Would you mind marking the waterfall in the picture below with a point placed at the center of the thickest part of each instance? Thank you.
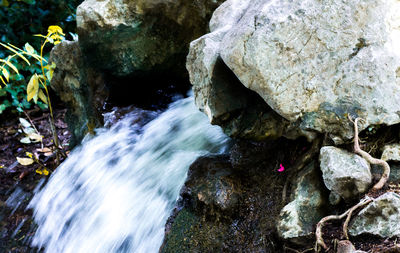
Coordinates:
(115, 192)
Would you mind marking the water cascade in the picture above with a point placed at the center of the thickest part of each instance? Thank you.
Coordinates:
(115, 192)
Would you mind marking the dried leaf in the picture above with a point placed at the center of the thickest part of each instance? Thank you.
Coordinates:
(43, 150)
(25, 161)
(35, 137)
(29, 130)
(24, 123)
(25, 140)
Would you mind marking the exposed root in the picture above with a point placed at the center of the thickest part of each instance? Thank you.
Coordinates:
(370, 159)
(300, 164)
(348, 213)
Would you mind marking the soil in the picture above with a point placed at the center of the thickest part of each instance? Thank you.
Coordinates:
(17, 182)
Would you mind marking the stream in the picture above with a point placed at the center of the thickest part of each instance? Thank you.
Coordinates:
(115, 192)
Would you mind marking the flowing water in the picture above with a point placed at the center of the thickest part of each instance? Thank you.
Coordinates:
(115, 192)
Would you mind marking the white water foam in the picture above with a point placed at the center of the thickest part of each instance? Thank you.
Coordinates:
(116, 191)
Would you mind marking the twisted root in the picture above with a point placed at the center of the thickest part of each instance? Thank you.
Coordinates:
(348, 213)
(369, 158)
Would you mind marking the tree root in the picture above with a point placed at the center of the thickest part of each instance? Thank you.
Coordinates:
(369, 158)
(300, 164)
(348, 213)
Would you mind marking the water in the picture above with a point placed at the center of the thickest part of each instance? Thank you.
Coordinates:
(116, 191)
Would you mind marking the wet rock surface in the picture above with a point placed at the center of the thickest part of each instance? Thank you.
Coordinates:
(232, 203)
(381, 217)
(345, 174)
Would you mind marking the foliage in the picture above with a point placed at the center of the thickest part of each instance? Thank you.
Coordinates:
(37, 86)
(19, 19)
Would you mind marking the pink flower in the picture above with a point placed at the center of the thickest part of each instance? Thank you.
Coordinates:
(281, 168)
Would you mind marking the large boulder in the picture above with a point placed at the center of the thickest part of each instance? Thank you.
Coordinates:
(136, 36)
(220, 95)
(345, 174)
(80, 87)
(313, 62)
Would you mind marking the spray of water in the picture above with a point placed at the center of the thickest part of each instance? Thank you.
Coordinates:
(115, 192)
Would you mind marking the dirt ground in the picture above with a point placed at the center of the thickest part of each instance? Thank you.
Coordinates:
(17, 182)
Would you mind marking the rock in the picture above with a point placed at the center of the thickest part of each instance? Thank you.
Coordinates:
(381, 217)
(346, 246)
(297, 219)
(231, 203)
(81, 88)
(313, 62)
(211, 183)
(391, 152)
(138, 36)
(345, 174)
(218, 92)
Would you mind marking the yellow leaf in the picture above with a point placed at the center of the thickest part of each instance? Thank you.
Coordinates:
(5, 74)
(2, 80)
(51, 67)
(4, 3)
(55, 29)
(25, 161)
(57, 42)
(42, 171)
(14, 51)
(33, 87)
(29, 154)
(39, 35)
(56, 37)
(42, 97)
(10, 65)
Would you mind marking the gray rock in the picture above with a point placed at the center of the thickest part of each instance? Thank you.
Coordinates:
(345, 174)
(391, 152)
(381, 217)
(218, 92)
(125, 37)
(316, 61)
(297, 218)
(80, 87)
